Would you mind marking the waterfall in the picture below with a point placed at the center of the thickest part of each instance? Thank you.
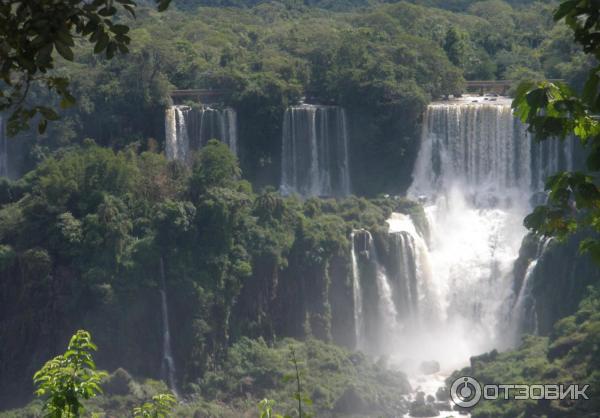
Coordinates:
(168, 362)
(485, 148)
(315, 151)
(549, 157)
(387, 308)
(523, 315)
(357, 296)
(476, 170)
(188, 129)
(3, 149)
(407, 273)
(177, 140)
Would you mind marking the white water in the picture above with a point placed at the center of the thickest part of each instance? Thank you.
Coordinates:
(188, 129)
(476, 171)
(177, 143)
(387, 309)
(168, 362)
(523, 314)
(315, 151)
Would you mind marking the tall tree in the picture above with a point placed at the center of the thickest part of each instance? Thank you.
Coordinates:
(454, 45)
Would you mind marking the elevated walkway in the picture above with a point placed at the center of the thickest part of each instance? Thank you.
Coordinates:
(500, 87)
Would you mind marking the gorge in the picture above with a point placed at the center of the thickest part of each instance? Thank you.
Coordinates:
(262, 207)
(440, 284)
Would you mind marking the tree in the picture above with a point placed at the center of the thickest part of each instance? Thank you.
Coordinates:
(555, 110)
(215, 166)
(69, 378)
(30, 30)
(454, 45)
(160, 407)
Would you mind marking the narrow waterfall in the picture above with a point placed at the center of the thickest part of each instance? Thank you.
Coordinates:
(168, 363)
(177, 140)
(407, 273)
(188, 129)
(3, 149)
(523, 315)
(387, 308)
(357, 295)
(315, 151)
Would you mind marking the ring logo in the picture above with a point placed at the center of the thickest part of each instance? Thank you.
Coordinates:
(466, 392)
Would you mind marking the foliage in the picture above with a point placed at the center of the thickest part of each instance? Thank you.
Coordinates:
(91, 224)
(69, 378)
(265, 408)
(383, 62)
(160, 407)
(556, 110)
(568, 356)
(299, 396)
(215, 166)
(31, 31)
(328, 372)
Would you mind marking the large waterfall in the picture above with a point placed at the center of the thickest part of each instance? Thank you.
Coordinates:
(315, 151)
(452, 291)
(3, 149)
(190, 128)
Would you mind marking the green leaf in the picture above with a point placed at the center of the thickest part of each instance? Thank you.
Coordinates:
(120, 29)
(44, 55)
(537, 98)
(103, 41)
(65, 51)
(48, 113)
(565, 8)
(110, 50)
(107, 11)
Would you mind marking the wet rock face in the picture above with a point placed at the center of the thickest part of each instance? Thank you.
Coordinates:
(442, 394)
(429, 367)
(423, 407)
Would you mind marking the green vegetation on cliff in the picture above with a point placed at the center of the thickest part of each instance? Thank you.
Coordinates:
(337, 382)
(82, 240)
(383, 63)
(568, 356)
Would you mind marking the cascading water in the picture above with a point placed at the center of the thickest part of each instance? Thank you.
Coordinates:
(315, 151)
(189, 129)
(357, 295)
(387, 308)
(523, 314)
(3, 149)
(476, 171)
(168, 363)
